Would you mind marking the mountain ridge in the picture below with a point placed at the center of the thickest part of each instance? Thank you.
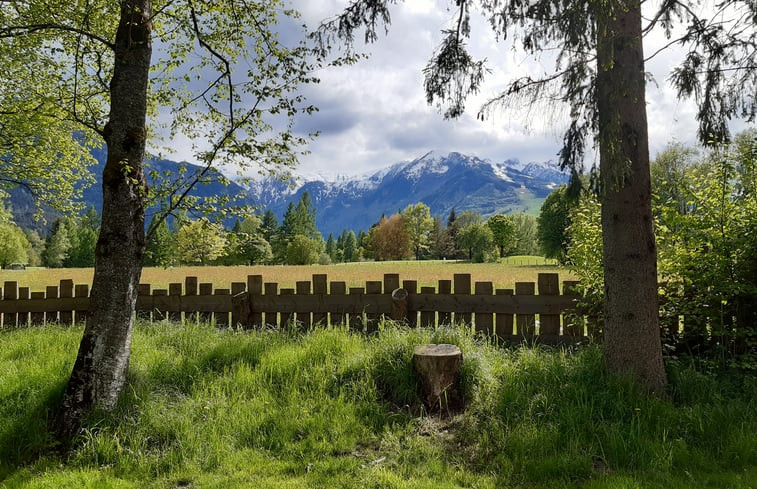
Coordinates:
(441, 181)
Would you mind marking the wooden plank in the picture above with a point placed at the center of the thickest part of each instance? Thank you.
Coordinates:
(338, 294)
(549, 285)
(526, 322)
(174, 290)
(572, 325)
(320, 287)
(372, 289)
(255, 289)
(66, 316)
(81, 290)
(143, 311)
(38, 317)
(287, 317)
(304, 321)
(222, 317)
(190, 291)
(22, 320)
(271, 294)
(391, 282)
(208, 304)
(412, 288)
(159, 310)
(10, 290)
(238, 317)
(428, 318)
(504, 320)
(356, 320)
(522, 304)
(484, 321)
(52, 305)
(205, 290)
(51, 315)
(445, 293)
(462, 287)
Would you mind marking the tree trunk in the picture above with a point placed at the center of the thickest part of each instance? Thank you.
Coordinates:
(632, 334)
(99, 372)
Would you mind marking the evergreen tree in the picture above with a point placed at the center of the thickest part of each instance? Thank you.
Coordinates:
(161, 248)
(348, 245)
(331, 247)
(57, 245)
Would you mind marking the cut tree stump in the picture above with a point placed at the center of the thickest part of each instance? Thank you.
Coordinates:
(438, 369)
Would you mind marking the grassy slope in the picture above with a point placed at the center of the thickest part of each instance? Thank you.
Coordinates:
(332, 409)
(513, 269)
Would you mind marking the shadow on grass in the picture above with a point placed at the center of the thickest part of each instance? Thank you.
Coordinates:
(27, 437)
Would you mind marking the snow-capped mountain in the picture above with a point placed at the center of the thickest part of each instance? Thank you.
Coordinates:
(441, 181)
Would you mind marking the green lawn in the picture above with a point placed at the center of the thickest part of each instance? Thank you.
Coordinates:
(219, 409)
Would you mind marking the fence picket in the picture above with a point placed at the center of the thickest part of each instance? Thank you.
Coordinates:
(484, 321)
(526, 323)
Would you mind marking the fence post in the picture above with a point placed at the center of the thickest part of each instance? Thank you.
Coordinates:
(51, 292)
(412, 289)
(255, 290)
(286, 317)
(428, 318)
(445, 288)
(205, 290)
(240, 317)
(337, 289)
(356, 318)
(503, 327)
(11, 294)
(484, 322)
(143, 312)
(80, 291)
(190, 290)
(222, 318)
(303, 316)
(38, 318)
(526, 323)
(23, 317)
(462, 287)
(271, 316)
(320, 288)
(549, 285)
(66, 292)
(174, 291)
(371, 319)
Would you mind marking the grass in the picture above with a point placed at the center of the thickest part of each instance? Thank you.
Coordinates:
(505, 274)
(220, 409)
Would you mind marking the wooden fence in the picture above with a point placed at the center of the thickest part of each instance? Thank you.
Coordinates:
(534, 311)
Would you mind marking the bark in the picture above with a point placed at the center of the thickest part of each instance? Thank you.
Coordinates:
(99, 372)
(632, 334)
(438, 369)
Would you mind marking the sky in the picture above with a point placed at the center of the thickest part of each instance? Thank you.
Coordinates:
(374, 113)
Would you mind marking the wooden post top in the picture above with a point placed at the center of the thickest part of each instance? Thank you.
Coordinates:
(440, 350)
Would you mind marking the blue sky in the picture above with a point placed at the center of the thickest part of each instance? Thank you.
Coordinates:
(374, 113)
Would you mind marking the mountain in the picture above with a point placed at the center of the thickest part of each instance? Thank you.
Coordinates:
(441, 181)
(22, 203)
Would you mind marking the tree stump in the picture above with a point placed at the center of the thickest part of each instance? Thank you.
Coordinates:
(438, 369)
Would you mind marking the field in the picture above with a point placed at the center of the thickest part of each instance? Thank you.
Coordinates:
(331, 409)
(505, 274)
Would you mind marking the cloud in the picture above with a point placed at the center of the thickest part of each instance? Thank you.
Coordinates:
(374, 113)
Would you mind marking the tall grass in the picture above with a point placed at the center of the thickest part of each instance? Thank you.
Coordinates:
(329, 408)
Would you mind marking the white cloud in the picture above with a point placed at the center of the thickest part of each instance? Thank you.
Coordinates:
(374, 113)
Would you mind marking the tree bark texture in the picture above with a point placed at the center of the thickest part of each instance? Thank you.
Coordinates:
(99, 372)
(632, 334)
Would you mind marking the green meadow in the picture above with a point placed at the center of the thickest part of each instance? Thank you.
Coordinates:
(328, 408)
